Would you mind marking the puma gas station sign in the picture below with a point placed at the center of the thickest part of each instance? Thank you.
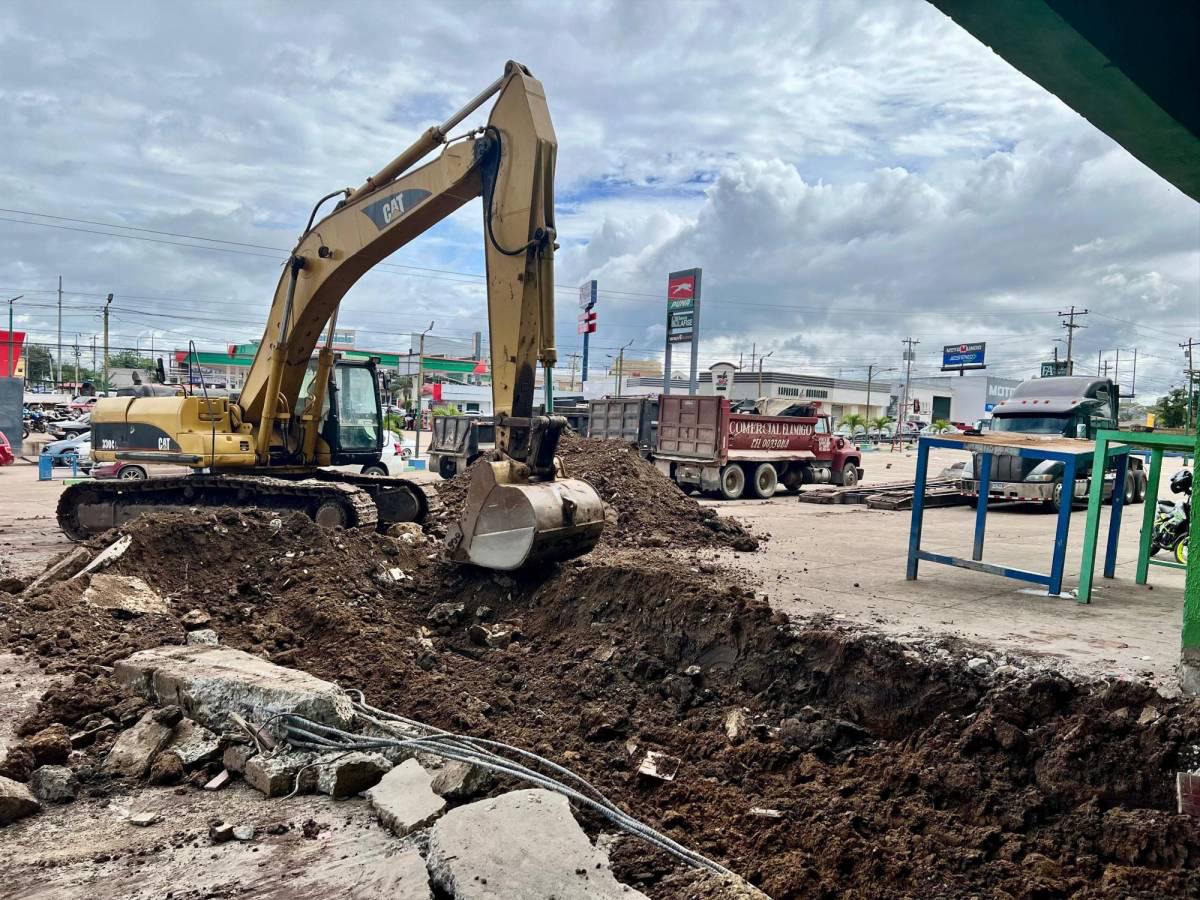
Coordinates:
(683, 321)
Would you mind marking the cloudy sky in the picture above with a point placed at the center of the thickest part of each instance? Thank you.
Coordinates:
(847, 173)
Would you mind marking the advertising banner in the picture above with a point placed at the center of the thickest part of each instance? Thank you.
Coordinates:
(10, 353)
(683, 322)
(957, 357)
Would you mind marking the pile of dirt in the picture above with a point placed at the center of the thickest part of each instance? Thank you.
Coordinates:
(815, 760)
(651, 510)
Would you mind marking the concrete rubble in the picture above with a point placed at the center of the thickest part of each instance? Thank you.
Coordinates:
(405, 800)
(519, 845)
(16, 800)
(202, 637)
(348, 774)
(135, 748)
(461, 781)
(54, 784)
(124, 596)
(275, 776)
(192, 743)
(211, 683)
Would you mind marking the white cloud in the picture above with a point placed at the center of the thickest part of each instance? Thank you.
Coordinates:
(845, 172)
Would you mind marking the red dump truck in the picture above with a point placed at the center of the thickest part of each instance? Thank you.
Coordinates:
(702, 444)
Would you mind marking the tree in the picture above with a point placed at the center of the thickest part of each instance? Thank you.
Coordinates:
(941, 426)
(1171, 409)
(129, 359)
(881, 422)
(402, 385)
(854, 422)
(39, 363)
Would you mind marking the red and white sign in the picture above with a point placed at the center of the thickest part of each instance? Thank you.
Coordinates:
(587, 322)
(10, 344)
(682, 287)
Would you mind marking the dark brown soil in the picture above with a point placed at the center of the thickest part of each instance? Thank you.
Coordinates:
(884, 774)
(651, 510)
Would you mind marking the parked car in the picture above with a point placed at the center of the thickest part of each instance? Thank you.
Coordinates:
(71, 427)
(122, 470)
(6, 453)
(82, 404)
(62, 451)
(391, 458)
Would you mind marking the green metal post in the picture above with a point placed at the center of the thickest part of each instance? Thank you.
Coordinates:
(1143, 563)
(1090, 530)
(1189, 661)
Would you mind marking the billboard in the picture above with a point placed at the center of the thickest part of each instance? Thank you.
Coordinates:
(587, 318)
(957, 357)
(1056, 367)
(681, 307)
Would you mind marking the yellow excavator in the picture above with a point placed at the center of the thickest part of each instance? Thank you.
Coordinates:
(296, 413)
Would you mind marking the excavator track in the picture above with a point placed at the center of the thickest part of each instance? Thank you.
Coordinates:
(425, 496)
(95, 506)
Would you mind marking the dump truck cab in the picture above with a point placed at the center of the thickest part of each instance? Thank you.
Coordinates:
(1071, 406)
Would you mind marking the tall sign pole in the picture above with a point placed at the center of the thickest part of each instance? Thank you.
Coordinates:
(683, 323)
(587, 320)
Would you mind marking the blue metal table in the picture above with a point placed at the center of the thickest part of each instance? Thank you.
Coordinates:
(1070, 452)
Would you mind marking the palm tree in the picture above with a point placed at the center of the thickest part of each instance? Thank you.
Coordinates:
(881, 422)
(941, 426)
(854, 422)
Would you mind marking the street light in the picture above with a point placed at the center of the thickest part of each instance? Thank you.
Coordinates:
(871, 370)
(760, 367)
(12, 340)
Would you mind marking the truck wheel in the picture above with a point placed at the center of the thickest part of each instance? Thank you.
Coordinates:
(1139, 487)
(849, 475)
(1130, 488)
(765, 480)
(733, 481)
(374, 469)
(1056, 503)
(447, 467)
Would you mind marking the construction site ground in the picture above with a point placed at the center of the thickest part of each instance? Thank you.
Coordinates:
(849, 561)
(855, 735)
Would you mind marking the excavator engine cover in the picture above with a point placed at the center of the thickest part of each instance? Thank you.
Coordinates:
(509, 521)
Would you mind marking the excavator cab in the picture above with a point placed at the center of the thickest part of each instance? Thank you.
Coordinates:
(351, 419)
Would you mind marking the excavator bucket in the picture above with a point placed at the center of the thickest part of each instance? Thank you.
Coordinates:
(509, 522)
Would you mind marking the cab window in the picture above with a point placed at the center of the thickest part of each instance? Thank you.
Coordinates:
(822, 426)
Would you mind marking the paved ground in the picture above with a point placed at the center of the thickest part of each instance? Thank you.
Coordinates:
(850, 561)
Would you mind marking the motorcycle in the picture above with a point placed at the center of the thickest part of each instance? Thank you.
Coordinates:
(33, 420)
(1171, 520)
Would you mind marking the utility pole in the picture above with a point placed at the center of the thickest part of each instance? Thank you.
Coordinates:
(753, 348)
(1070, 325)
(1187, 350)
(12, 340)
(574, 358)
(60, 329)
(421, 384)
(909, 343)
(93, 353)
(621, 367)
(76, 346)
(106, 305)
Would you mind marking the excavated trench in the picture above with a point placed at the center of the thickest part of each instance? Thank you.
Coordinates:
(815, 759)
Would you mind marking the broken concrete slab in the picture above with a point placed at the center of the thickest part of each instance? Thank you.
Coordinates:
(218, 781)
(125, 596)
(404, 799)
(275, 776)
(203, 637)
(135, 749)
(16, 801)
(193, 743)
(348, 774)
(519, 845)
(461, 781)
(54, 784)
(236, 756)
(107, 556)
(64, 568)
(214, 683)
(143, 819)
